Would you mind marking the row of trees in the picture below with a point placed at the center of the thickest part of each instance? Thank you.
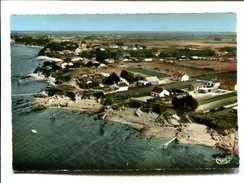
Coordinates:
(101, 55)
(186, 52)
(231, 50)
(114, 78)
(31, 40)
(59, 46)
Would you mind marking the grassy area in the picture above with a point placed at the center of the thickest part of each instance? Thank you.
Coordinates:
(221, 76)
(143, 91)
(178, 85)
(219, 97)
(147, 72)
(132, 92)
(190, 67)
(190, 70)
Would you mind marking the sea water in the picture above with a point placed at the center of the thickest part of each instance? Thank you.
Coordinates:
(76, 140)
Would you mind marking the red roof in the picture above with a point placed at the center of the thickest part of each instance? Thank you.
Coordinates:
(157, 90)
(229, 82)
(179, 74)
(216, 81)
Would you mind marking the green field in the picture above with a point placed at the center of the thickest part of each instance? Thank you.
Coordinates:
(221, 76)
(177, 85)
(147, 72)
(143, 91)
(132, 92)
(219, 97)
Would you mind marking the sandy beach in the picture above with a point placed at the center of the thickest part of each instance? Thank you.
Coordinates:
(149, 123)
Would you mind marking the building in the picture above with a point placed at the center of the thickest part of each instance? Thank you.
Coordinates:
(122, 80)
(210, 86)
(120, 87)
(148, 59)
(214, 84)
(195, 86)
(153, 80)
(229, 85)
(180, 77)
(159, 92)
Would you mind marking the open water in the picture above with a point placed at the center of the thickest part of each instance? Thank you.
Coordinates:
(80, 141)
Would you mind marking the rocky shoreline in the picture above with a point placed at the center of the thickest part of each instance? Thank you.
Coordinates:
(149, 123)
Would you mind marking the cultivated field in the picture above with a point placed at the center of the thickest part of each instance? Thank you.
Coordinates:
(216, 65)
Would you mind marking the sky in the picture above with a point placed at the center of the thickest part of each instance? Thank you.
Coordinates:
(191, 22)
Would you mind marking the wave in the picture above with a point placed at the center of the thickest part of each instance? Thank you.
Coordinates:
(48, 58)
(27, 45)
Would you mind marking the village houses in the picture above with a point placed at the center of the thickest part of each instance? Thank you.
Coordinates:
(121, 86)
(180, 77)
(152, 80)
(159, 92)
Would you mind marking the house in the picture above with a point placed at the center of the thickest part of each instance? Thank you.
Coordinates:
(77, 51)
(122, 80)
(147, 59)
(119, 87)
(214, 84)
(152, 80)
(229, 85)
(114, 46)
(159, 92)
(102, 66)
(210, 86)
(195, 86)
(63, 64)
(76, 59)
(180, 77)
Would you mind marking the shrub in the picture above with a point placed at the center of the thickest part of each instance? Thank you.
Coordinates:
(108, 101)
(71, 95)
(186, 103)
(113, 78)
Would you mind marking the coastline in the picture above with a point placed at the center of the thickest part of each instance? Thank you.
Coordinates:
(148, 123)
(27, 45)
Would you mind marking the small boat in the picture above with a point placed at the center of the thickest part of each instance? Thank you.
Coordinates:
(34, 131)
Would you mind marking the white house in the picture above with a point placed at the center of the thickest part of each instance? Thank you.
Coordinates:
(159, 92)
(153, 80)
(63, 65)
(213, 84)
(102, 66)
(147, 59)
(77, 51)
(180, 77)
(120, 87)
(75, 59)
(122, 80)
(210, 86)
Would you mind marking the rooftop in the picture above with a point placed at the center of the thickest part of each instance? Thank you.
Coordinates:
(179, 74)
(229, 82)
(157, 90)
(151, 79)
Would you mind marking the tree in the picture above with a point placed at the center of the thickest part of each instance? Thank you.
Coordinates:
(102, 55)
(187, 103)
(190, 103)
(127, 75)
(108, 101)
(113, 78)
(120, 44)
